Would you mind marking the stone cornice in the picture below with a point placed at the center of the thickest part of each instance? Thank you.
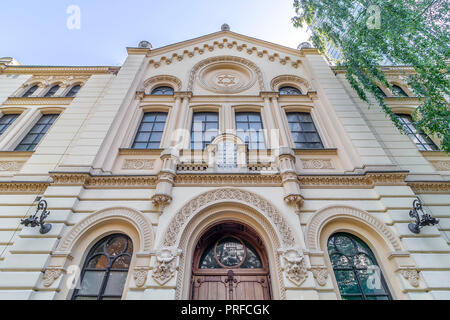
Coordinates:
(38, 101)
(23, 187)
(140, 152)
(328, 151)
(139, 51)
(228, 179)
(108, 182)
(427, 187)
(41, 70)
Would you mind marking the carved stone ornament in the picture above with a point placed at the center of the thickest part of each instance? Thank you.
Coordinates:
(138, 164)
(140, 276)
(10, 165)
(166, 265)
(317, 164)
(441, 165)
(294, 200)
(161, 200)
(294, 266)
(321, 275)
(50, 276)
(412, 275)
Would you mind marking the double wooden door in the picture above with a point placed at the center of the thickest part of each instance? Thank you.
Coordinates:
(230, 263)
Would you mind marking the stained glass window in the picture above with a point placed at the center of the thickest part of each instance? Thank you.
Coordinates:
(163, 91)
(304, 131)
(356, 270)
(6, 121)
(52, 91)
(36, 133)
(289, 91)
(150, 131)
(230, 252)
(30, 91)
(205, 127)
(73, 91)
(249, 128)
(105, 270)
(422, 141)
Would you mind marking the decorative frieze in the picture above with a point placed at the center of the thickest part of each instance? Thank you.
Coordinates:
(317, 164)
(23, 187)
(139, 164)
(225, 179)
(38, 101)
(430, 187)
(441, 165)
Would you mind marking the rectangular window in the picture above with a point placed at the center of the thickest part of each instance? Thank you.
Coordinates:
(304, 131)
(205, 127)
(150, 131)
(249, 128)
(6, 121)
(37, 132)
(423, 142)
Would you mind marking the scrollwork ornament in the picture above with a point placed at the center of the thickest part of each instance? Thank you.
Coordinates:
(140, 276)
(321, 275)
(412, 275)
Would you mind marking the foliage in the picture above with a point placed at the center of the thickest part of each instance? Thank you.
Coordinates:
(414, 33)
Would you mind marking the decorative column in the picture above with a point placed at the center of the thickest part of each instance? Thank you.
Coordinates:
(286, 165)
(182, 133)
(279, 120)
(163, 195)
(173, 120)
(271, 124)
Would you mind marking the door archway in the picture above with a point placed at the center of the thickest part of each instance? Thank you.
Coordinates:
(230, 263)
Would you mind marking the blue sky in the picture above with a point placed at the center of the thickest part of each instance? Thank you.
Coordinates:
(36, 33)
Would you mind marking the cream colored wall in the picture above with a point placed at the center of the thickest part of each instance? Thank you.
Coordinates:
(104, 116)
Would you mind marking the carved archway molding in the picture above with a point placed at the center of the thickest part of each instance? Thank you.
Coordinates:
(230, 59)
(152, 82)
(134, 217)
(181, 218)
(326, 215)
(301, 83)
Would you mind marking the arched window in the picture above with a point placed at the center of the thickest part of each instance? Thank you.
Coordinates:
(398, 91)
(356, 270)
(105, 269)
(289, 91)
(163, 91)
(73, 91)
(30, 91)
(423, 142)
(36, 133)
(52, 91)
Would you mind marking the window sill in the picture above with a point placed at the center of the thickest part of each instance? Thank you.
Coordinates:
(15, 154)
(327, 151)
(436, 153)
(131, 152)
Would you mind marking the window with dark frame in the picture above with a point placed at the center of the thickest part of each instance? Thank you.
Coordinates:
(356, 270)
(398, 91)
(289, 91)
(36, 133)
(249, 128)
(150, 131)
(423, 142)
(30, 91)
(52, 91)
(6, 121)
(105, 269)
(205, 127)
(73, 91)
(303, 130)
(163, 91)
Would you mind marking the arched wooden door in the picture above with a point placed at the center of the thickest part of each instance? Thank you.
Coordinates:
(230, 263)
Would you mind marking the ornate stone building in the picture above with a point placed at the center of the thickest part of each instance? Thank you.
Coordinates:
(223, 167)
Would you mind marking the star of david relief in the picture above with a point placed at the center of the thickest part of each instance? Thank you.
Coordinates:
(226, 80)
